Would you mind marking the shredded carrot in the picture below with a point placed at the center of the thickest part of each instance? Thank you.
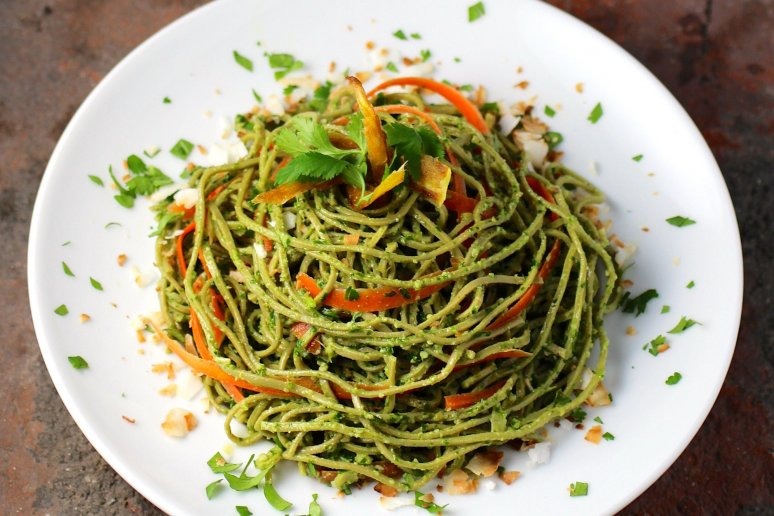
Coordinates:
(411, 110)
(181, 264)
(367, 299)
(388, 183)
(460, 101)
(532, 290)
(512, 353)
(460, 401)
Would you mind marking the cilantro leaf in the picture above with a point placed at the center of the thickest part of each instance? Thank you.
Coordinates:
(431, 507)
(412, 143)
(61, 310)
(392, 67)
(665, 309)
(638, 157)
(167, 100)
(78, 362)
(578, 415)
(219, 465)
(637, 305)
(136, 164)
(607, 436)
(553, 139)
(683, 324)
(314, 507)
(96, 284)
(257, 97)
(212, 488)
(320, 97)
(691, 284)
(182, 149)
(579, 489)
(284, 64)
(311, 166)
(680, 221)
(243, 61)
(400, 34)
(148, 182)
(242, 510)
(96, 180)
(654, 345)
(274, 498)
(674, 378)
(416, 35)
(549, 111)
(67, 269)
(595, 114)
(476, 11)
(425, 54)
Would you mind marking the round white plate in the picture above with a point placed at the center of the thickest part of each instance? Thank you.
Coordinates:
(191, 62)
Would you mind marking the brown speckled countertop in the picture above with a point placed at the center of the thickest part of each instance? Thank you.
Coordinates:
(715, 57)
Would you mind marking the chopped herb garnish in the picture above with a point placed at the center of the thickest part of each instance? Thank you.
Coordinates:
(257, 97)
(638, 157)
(607, 436)
(125, 197)
(391, 67)
(665, 309)
(595, 114)
(411, 144)
(549, 111)
(466, 87)
(320, 97)
(290, 88)
(425, 54)
(96, 180)
(314, 507)
(219, 465)
(690, 284)
(680, 221)
(654, 345)
(553, 139)
(637, 305)
(457, 60)
(351, 294)
(212, 488)
(674, 378)
(431, 507)
(579, 489)
(405, 293)
(400, 34)
(316, 158)
(683, 324)
(274, 498)
(167, 100)
(416, 35)
(284, 64)
(578, 415)
(476, 11)
(78, 362)
(96, 284)
(151, 152)
(243, 61)
(67, 269)
(61, 310)
(182, 149)
(599, 420)
(66, 243)
(242, 510)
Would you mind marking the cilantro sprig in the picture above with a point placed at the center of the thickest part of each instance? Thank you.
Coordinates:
(315, 158)
(283, 64)
(636, 305)
(411, 144)
(145, 180)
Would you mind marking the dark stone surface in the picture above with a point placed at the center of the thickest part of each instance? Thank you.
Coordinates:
(715, 56)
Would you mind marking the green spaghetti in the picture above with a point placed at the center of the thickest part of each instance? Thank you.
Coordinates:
(385, 290)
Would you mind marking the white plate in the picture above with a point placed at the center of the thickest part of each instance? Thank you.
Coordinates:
(191, 62)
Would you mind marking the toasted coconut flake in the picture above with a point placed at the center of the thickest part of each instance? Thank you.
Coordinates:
(522, 85)
(391, 503)
(509, 477)
(458, 482)
(533, 145)
(579, 87)
(85, 318)
(140, 336)
(485, 464)
(434, 179)
(540, 453)
(385, 490)
(533, 125)
(178, 422)
(594, 435)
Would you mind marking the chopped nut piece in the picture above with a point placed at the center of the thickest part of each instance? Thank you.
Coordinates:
(121, 260)
(523, 85)
(594, 435)
(579, 87)
(600, 397)
(169, 390)
(85, 318)
(458, 482)
(128, 419)
(385, 490)
(631, 330)
(509, 477)
(165, 367)
(178, 422)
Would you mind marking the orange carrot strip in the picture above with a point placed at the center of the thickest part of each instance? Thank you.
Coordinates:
(460, 101)
(411, 110)
(210, 368)
(282, 164)
(531, 291)
(181, 263)
(367, 299)
(541, 190)
(388, 183)
(376, 141)
(460, 401)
